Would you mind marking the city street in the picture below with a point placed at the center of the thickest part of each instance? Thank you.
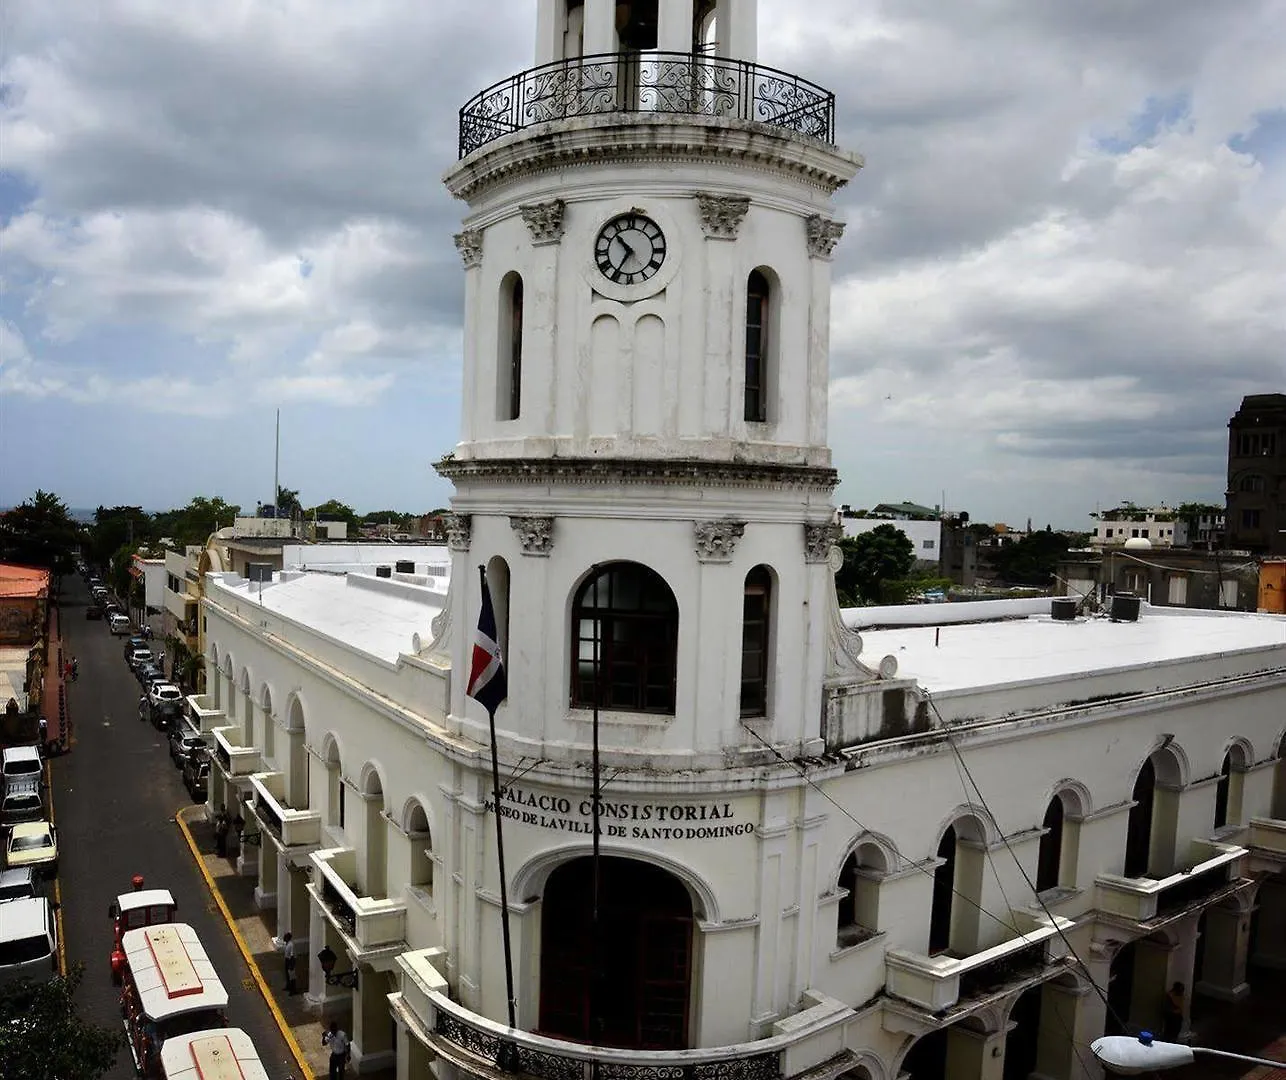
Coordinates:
(114, 799)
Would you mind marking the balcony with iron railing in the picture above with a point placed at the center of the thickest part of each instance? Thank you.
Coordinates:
(233, 757)
(941, 983)
(373, 927)
(673, 83)
(288, 826)
(474, 1044)
(205, 717)
(1140, 902)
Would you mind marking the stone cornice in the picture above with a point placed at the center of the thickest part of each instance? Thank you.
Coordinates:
(635, 471)
(655, 139)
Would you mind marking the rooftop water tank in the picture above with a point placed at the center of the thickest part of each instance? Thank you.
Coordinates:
(1125, 607)
(1063, 608)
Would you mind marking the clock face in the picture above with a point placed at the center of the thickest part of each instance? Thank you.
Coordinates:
(629, 249)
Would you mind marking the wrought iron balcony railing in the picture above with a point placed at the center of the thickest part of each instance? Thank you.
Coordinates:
(647, 82)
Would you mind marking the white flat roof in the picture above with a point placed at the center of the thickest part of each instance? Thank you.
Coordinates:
(213, 1054)
(1038, 648)
(377, 616)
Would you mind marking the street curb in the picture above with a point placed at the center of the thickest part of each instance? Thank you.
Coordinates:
(58, 891)
(305, 1070)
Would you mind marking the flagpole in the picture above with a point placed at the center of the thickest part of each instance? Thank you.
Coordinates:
(508, 1052)
(595, 810)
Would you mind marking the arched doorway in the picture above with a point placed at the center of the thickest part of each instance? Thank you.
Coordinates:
(644, 956)
(1138, 830)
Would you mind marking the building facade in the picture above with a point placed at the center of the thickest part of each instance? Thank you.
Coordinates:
(1256, 517)
(947, 851)
(1170, 577)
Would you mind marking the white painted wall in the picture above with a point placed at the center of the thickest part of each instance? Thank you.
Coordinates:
(925, 536)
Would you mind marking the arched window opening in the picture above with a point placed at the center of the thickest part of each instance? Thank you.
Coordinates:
(334, 787)
(944, 883)
(627, 617)
(1251, 483)
(1049, 860)
(1221, 793)
(417, 828)
(1138, 835)
(1279, 782)
(756, 607)
(269, 727)
(705, 27)
(758, 341)
(509, 357)
(498, 583)
(858, 916)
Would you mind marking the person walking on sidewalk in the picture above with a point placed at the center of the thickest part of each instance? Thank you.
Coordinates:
(221, 832)
(286, 946)
(337, 1040)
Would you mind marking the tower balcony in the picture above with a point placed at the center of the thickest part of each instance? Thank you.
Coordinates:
(677, 83)
(473, 1043)
(945, 986)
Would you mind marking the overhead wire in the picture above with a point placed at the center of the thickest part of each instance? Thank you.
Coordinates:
(803, 773)
(963, 765)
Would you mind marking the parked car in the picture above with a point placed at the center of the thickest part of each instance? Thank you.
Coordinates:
(140, 654)
(18, 883)
(186, 743)
(21, 802)
(28, 939)
(147, 675)
(196, 777)
(118, 623)
(165, 702)
(20, 763)
(135, 641)
(33, 844)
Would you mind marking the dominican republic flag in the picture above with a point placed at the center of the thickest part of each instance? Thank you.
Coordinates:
(487, 683)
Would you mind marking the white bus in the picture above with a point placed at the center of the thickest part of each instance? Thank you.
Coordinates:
(169, 988)
(214, 1054)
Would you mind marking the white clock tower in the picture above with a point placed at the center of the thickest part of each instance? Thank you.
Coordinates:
(643, 466)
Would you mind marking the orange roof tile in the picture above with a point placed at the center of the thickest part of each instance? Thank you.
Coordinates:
(20, 581)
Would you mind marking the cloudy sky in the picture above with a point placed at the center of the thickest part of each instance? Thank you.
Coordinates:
(1065, 261)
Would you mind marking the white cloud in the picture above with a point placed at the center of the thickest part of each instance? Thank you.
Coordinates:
(1067, 249)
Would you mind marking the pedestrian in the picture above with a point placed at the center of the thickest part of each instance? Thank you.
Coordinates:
(1172, 1019)
(286, 946)
(160, 661)
(221, 832)
(67, 670)
(75, 669)
(44, 732)
(337, 1040)
(239, 826)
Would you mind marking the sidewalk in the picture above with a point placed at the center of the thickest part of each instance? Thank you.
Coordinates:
(237, 893)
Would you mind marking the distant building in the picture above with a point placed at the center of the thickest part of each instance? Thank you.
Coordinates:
(1165, 577)
(905, 511)
(1114, 527)
(150, 573)
(1256, 496)
(943, 544)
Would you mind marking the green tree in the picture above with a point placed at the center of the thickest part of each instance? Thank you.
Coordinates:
(40, 532)
(43, 1038)
(334, 510)
(116, 527)
(193, 524)
(1032, 560)
(872, 559)
(188, 666)
(288, 502)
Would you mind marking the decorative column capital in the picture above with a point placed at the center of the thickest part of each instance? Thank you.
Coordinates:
(544, 221)
(717, 540)
(459, 531)
(721, 215)
(469, 245)
(818, 541)
(535, 534)
(823, 235)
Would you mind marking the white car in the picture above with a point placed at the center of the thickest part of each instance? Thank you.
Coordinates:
(165, 693)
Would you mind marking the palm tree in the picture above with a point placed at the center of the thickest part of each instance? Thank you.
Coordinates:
(187, 667)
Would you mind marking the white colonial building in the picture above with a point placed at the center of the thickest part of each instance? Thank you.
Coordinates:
(956, 851)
